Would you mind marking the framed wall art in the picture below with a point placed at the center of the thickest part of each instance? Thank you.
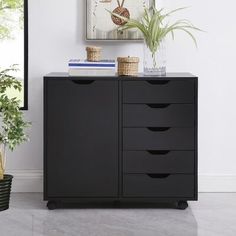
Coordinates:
(102, 26)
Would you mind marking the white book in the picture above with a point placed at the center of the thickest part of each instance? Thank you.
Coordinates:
(100, 72)
(83, 64)
(104, 62)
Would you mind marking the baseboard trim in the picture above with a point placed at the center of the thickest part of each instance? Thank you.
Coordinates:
(32, 181)
(217, 183)
(24, 181)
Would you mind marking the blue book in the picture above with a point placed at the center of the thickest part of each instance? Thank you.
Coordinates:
(75, 63)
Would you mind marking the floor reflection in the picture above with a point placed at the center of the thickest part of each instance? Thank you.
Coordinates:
(213, 215)
(124, 219)
(28, 216)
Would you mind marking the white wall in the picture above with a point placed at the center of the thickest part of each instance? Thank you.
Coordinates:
(56, 34)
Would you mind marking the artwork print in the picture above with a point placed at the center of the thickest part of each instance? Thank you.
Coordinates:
(101, 25)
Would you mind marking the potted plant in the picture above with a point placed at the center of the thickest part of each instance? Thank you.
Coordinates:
(12, 130)
(155, 27)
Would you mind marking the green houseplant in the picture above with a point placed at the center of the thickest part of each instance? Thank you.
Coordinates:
(12, 130)
(155, 27)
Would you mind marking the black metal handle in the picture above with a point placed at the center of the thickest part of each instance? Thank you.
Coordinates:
(158, 82)
(83, 82)
(158, 129)
(159, 105)
(158, 176)
(158, 152)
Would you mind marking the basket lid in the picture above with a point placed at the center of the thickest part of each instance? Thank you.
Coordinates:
(128, 59)
(93, 49)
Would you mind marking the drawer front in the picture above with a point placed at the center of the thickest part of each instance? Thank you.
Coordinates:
(158, 138)
(154, 161)
(162, 185)
(158, 91)
(159, 115)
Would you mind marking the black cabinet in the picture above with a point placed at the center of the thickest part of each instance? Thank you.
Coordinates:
(120, 138)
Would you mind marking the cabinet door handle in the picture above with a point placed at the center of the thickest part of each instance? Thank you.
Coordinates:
(158, 82)
(158, 176)
(158, 152)
(83, 82)
(158, 129)
(159, 105)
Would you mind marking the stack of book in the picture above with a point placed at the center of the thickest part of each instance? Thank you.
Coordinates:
(87, 68)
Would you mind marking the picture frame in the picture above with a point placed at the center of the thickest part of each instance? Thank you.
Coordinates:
(101, 26)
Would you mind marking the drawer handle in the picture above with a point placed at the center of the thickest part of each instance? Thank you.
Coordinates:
(159, 105)
(158, 176)
(158, 152)
(158, 82)
(158, 129)
(83, 82)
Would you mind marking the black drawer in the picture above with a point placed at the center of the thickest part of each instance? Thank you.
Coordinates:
(155, 161)
(170, 115)
(158, 91)
(158, 138)
(158, 185)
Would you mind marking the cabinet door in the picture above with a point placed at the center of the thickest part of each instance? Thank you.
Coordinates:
(81, 124)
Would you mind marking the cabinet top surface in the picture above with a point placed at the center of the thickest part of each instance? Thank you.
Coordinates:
(63, 75)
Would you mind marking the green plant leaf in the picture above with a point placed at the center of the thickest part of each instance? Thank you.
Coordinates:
(12, 130)
(154, 29)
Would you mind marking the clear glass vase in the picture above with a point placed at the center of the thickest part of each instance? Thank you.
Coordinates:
(155, 63)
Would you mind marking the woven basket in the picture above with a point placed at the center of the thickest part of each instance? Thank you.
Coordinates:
(93, 53)
(128, 66)
(5, 191)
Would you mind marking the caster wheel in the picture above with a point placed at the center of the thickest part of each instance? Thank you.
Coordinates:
(181, 205)
(51, 205)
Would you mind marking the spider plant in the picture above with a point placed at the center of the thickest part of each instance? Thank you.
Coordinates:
(155, 27)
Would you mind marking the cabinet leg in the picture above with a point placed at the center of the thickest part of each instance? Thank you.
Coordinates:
(181, 205)
(52, 205)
